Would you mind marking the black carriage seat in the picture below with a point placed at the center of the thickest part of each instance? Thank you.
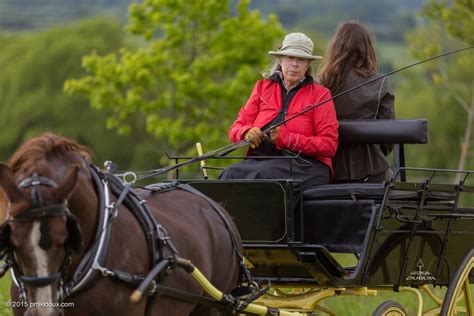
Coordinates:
(374, 191)
(396, 132)
(339, 216)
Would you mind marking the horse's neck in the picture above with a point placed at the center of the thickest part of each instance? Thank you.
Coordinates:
(84, 205)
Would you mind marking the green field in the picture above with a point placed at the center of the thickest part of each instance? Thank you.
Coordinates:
(5, 294)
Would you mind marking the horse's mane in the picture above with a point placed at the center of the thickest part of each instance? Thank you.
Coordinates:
(37, 151)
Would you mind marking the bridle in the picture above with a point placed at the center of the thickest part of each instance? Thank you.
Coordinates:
(41, 212)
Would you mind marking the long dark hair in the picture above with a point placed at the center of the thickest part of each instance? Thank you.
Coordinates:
(351, 48)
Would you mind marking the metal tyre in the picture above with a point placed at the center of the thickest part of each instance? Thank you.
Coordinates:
(390, 308)
(459, 297)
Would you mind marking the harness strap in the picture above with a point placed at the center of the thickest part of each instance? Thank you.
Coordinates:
(138, 208)
(85, 276)
(36, 180)
(155, 290)
(190, 297)
(40, 212)
(39, 281)
(123, 194)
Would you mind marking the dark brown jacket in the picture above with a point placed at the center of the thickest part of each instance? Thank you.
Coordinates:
(372, 101)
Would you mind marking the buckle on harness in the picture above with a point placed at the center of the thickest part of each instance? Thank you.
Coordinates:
(162, 233)
(104, 271)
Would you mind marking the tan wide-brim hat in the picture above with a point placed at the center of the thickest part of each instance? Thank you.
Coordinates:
(296, 45)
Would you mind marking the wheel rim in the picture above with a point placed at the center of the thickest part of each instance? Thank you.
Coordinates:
(463, 293)
(394, 311)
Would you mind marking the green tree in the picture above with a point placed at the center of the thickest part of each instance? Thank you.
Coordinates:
(34, 68)
(194, 71)
(448, 100)
(457, 17)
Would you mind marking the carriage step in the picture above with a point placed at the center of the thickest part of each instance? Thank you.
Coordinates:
(322, 259)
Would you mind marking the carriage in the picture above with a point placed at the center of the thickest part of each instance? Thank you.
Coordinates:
(410, 234)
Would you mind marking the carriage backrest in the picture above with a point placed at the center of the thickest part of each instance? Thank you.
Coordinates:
(396, 132)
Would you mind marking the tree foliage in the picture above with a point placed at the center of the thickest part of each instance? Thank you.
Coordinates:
(34, 68)
(457, 17)
(190, 77)
(442, 90)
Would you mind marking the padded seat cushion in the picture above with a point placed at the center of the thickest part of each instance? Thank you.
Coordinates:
(345, 190)
(338, 225)
(383, 131)
(371, 191)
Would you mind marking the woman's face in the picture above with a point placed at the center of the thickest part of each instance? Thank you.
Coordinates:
(293, 69)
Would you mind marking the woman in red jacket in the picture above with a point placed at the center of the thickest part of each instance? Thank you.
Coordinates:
(288, 90)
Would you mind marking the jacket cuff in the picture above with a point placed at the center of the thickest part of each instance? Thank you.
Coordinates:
(244, 130)
(287, 140)
(284, 138)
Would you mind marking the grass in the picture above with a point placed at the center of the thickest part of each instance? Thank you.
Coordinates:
(366, 305)
(5, 294)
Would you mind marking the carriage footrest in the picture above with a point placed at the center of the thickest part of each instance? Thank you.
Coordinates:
(325, 258)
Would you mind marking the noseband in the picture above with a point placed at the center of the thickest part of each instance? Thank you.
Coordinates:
(42, 212)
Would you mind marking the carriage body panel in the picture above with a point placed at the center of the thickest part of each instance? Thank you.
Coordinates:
(404, 234)
(408, 235)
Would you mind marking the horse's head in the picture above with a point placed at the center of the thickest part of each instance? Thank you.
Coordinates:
(39, 235)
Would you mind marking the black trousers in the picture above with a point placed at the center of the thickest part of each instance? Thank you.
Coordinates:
(310, 171)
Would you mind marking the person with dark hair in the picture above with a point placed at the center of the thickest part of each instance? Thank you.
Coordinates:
(349, 61)
(288, 90)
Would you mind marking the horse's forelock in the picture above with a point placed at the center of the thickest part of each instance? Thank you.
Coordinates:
(35, 153)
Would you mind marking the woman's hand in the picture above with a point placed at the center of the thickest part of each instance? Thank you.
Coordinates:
(274, 134)
(254, 135)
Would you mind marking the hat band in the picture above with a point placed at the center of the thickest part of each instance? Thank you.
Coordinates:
(303, 48)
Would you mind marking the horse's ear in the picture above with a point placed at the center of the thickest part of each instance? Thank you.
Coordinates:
(66, 187)
(8, 184)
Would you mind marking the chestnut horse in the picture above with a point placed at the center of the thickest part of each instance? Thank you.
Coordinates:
(55, 228)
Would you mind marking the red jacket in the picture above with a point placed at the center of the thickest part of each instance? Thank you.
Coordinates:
(313, 133)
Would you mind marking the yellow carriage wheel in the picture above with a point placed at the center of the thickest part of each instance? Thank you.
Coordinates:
(459, 297)
(390, 308)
